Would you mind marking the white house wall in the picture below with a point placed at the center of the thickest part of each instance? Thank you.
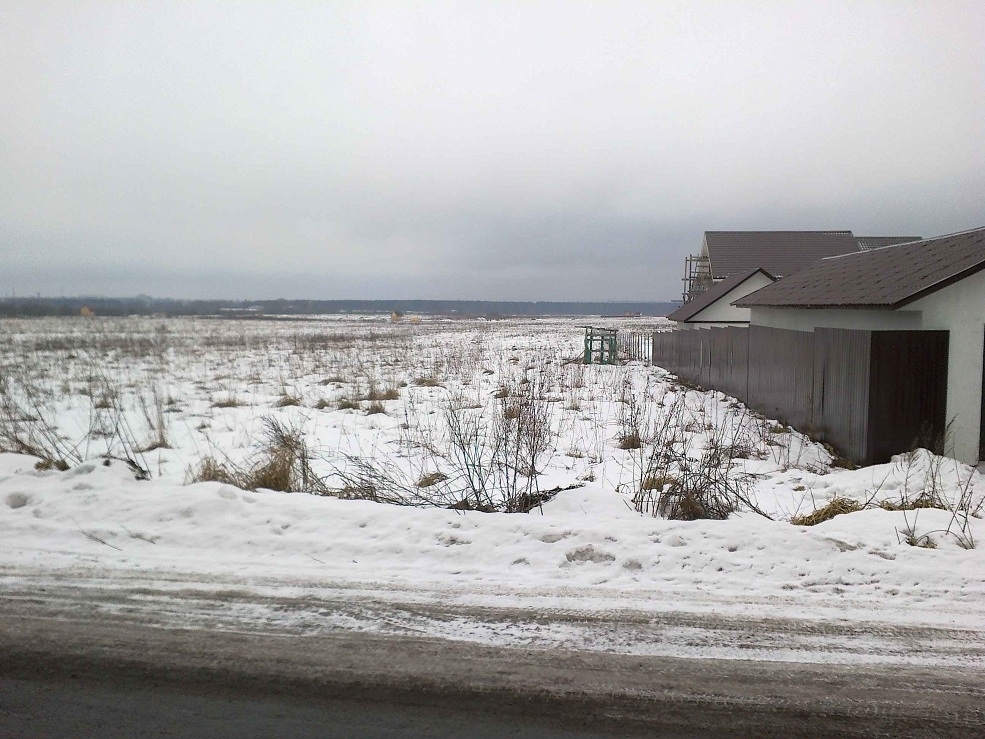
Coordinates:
(960, 309)
(731, 324)
(725, 314)
(807, 319)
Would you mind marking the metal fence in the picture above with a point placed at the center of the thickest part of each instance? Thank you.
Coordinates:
(870, 394)
(635, 345)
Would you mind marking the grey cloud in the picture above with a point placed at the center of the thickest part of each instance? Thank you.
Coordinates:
(469, 150)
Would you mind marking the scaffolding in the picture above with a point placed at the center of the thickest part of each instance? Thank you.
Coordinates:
(697, 276)
(600, 345)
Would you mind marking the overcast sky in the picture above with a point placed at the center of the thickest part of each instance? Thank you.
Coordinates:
(474, 150)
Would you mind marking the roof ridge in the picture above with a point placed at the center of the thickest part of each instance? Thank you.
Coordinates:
(909, 243)
(783, 231)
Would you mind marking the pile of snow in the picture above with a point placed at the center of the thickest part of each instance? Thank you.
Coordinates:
(587, 544)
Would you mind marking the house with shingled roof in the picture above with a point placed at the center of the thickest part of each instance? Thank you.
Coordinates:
(935, 285)
(780, 253)
(713, 308)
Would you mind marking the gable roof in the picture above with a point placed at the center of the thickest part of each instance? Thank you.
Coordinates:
(693, 307)
(779, 252)
(877, 242)
(890, 277)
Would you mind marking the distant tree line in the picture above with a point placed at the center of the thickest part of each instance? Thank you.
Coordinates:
(142, 305)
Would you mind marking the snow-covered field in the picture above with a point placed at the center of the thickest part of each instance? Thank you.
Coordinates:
(438, 413)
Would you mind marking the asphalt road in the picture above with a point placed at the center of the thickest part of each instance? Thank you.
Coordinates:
(124, 671)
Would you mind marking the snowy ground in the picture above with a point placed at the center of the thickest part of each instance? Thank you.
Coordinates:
(584, 570)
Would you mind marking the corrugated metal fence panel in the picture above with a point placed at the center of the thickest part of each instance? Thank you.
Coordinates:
(781, 374)
(705, 358)
(841, 394)
(907, 392)
(802, 365)
(760, 395)
(658, 358)
(689, 355)
(718, 372)
(738, 369)
(694, 364)
(870, 394)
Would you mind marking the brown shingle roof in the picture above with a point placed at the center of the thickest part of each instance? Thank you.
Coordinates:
(779, 252)
(693, 307)
(890, 277)
(877, 242)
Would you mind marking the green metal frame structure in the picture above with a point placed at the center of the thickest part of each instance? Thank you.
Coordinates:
(600, 345)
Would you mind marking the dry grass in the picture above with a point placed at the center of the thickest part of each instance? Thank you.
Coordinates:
(658, 482)
(391, 393)
(230, 402)
(920, 502)
(43, 465)
(283, 464)
(211, 470)
(836, 507)
(431, 479)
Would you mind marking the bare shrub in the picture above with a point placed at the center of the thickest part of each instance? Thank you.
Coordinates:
(909, 535)
(683, 461)
(658, 482)
(494, 456)
(963, 503)
(524, 431)
(473, 450)
(156, 423)
(26, 426)
(382, 481)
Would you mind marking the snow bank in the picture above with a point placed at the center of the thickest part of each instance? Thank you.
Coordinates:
(586, 546)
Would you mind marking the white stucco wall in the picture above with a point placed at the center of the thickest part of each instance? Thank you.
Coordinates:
(807, 319)
(959, 309)
(712, 324)
(722, 312)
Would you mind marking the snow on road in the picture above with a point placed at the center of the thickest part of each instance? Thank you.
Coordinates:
(573, 572)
